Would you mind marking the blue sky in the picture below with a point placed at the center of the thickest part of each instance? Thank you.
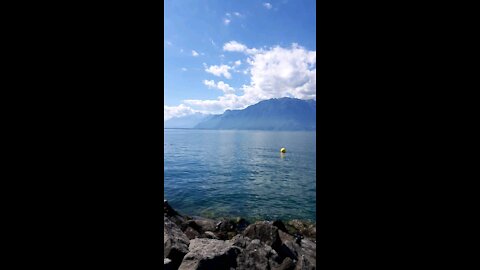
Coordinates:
(230, 54)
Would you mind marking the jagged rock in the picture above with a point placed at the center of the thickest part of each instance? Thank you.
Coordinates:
(225, 229)
(191, 233)
(265, 232)
(291, 249)
(205, 224)
(175, 243)
(306, 253)
(257, 255)
(240, 241)
(305, 228)
(210, 254)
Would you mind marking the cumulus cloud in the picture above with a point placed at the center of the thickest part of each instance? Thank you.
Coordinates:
(234, 46)
(225, 87)
(280, 72)
(176, 111)
(194, 53)
(267, 5)
(274, 72)
(219, 71)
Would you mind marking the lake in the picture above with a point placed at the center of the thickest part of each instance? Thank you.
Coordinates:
(230, 173)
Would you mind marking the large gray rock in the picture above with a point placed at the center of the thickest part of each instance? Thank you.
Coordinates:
(306, 254)
(205, 224)
(302, 252)
(240, 241)
(175, 243)
(265, 232)
(257, 255)
(210, 254)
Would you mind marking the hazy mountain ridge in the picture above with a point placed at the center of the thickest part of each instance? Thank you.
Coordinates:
(272, 114)
(188, 121)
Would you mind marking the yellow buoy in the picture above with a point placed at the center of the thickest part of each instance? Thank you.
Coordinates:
(283, 150)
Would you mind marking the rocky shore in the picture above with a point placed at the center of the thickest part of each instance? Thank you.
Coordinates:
(202, 243)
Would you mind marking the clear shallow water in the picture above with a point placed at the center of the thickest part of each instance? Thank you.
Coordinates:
(226, 173)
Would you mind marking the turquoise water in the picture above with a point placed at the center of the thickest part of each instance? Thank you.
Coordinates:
(226, 173)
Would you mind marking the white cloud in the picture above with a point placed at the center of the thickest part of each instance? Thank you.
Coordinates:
(194, 53)
(228, 14)
(219, 70)
(176, 111)
(267, 5)
(280, 72)
(227, 101)
(237, 14)
(184, 69)
(226, 21)
(209, 83)
(274, 72)
(225, 87)
(234, 46)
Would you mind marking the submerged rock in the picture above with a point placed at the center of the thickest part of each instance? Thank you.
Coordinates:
(210, 254)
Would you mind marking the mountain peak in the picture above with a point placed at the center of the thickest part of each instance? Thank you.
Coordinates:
(273, 114)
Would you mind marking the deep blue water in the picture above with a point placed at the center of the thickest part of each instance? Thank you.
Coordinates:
(226, 173)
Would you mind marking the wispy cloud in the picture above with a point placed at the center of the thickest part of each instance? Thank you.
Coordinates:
(226, 21)
(194, 53)
(267, 5)
(184, 69)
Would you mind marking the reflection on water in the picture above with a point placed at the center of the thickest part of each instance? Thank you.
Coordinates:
(239, 173)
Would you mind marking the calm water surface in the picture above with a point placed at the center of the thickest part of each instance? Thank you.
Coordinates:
(241, 173)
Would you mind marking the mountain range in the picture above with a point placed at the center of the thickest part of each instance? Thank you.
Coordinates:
(273, 114)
